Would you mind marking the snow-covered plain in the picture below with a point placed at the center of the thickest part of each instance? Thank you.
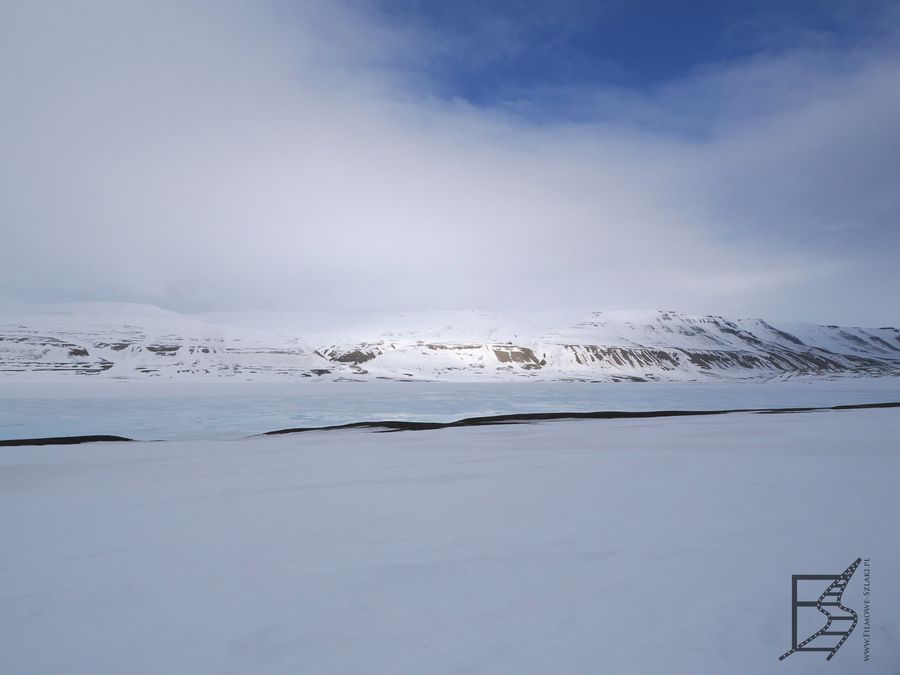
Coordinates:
(616, 546)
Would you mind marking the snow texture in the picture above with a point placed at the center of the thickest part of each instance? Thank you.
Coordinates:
(617, 546)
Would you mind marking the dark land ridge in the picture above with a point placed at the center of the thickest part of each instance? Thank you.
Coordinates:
(514, 418)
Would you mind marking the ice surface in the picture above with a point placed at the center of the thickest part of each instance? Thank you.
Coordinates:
(159, 409)
(616, 546)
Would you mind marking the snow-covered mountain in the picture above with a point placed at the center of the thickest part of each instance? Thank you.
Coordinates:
(134, 341)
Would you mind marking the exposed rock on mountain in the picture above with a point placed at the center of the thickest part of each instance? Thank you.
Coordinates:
(128, 341)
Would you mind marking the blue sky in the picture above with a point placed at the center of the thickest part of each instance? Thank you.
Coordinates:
(491, 53)
(389, 155)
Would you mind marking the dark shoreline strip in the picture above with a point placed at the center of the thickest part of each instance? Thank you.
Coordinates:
(62, 440)
(515, 418)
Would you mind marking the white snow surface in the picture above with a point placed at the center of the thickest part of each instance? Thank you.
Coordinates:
(121, 341)
(608, 546)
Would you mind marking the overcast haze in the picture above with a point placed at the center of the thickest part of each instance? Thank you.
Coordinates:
(380, 156)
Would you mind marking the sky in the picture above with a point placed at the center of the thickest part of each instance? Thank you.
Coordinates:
(398, 155)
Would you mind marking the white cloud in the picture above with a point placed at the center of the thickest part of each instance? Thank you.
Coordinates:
(217, 155)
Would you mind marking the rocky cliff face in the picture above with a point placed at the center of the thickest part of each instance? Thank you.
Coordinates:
(139, 342)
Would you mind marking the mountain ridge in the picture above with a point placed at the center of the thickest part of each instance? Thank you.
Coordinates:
(135, 342)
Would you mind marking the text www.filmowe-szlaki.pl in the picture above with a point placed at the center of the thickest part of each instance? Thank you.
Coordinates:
(866, 619)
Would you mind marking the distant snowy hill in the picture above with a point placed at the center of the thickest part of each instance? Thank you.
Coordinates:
(135, 341)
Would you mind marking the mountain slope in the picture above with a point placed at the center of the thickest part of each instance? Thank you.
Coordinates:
(134, 341)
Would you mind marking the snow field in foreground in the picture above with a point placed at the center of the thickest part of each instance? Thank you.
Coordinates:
(611, 546)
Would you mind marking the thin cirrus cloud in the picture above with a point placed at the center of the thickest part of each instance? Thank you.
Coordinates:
(234, 155)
